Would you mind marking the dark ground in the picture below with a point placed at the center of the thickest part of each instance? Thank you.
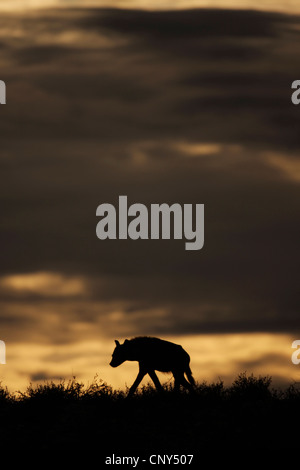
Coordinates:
(249, 414)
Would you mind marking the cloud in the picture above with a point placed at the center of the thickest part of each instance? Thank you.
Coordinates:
(202, 75)
(275, 5)
(188, 107)
(242, 281)
(289, 165)
(195, 150)
(43, 284)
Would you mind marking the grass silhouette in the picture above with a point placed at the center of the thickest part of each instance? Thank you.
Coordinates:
(249, 414)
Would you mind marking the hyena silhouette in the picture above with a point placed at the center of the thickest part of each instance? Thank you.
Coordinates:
(154, 354)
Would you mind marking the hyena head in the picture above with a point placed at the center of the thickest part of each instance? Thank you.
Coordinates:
(120, 354)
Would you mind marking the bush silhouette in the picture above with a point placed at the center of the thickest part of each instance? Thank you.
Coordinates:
(248, 414)
(5, 396)
(250, 387)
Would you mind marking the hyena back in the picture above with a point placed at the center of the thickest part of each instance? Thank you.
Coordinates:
(154, 354)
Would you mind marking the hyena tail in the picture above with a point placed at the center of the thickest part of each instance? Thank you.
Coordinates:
(190, 376)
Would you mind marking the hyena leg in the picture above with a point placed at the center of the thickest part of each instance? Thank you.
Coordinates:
(180, 379)
(177, 382)
(155, 380)
(136, 383)
(186, 384)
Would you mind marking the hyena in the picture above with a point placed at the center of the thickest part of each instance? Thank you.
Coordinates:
(154, 354)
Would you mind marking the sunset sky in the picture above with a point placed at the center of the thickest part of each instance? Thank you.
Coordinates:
(162, 104)
(290, 6)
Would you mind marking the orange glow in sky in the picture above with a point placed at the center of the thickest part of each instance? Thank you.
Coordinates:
(289, 6)
(213, 357)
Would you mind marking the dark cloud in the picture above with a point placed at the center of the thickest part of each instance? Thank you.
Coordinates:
(130, 75)
(186, 23)
(41, 54)
(107, 102)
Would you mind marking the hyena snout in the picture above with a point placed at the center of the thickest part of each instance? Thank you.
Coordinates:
(119, 355)
(114, 363)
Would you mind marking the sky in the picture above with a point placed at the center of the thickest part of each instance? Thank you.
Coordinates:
(175, 106)
(288, 6)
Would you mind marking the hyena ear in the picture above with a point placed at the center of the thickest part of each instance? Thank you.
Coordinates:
(126, 341)
(117, 342)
